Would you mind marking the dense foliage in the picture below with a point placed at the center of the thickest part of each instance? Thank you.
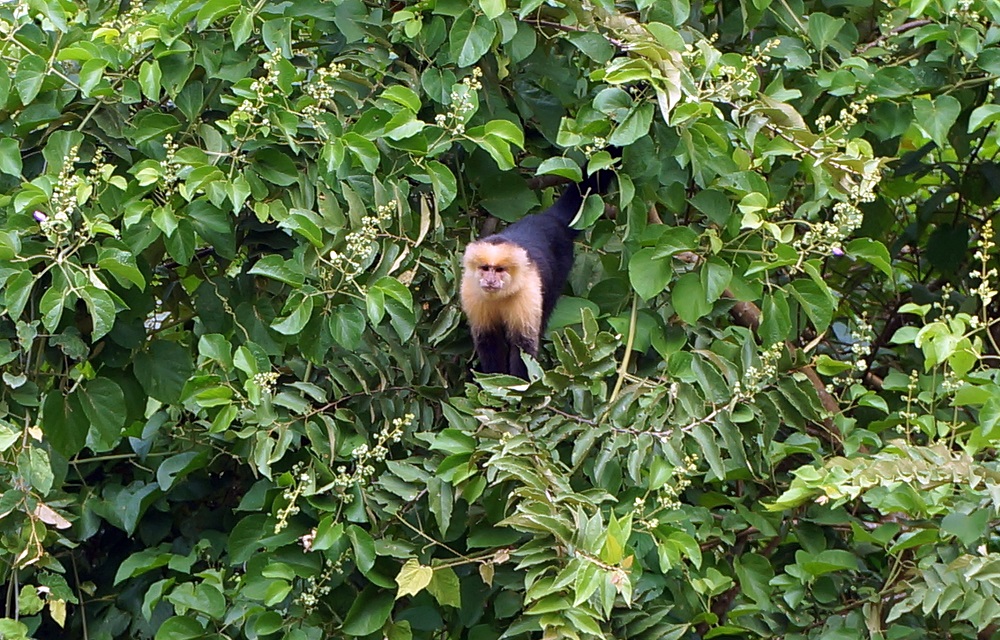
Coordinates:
(236, 400)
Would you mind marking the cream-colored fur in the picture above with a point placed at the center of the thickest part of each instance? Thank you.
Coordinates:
(517, 305)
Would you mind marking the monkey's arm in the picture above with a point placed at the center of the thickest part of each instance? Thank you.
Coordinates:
(493, 350)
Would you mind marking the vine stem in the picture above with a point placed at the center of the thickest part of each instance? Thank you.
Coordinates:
(628, 350)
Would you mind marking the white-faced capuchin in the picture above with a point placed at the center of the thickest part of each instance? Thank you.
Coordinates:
(512, 279)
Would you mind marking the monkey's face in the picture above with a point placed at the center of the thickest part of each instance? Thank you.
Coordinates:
(494, 268)
(494, 278)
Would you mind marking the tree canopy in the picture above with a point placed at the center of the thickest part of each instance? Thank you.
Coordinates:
(236, 397)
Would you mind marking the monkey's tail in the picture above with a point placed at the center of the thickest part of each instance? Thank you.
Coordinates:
(598, 183)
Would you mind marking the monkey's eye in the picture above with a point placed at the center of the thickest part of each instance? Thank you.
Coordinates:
(501, 269)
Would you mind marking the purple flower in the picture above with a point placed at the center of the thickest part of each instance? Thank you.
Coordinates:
(39, 216)
(837, 251)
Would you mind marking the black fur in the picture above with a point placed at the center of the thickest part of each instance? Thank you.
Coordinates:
(547, 238)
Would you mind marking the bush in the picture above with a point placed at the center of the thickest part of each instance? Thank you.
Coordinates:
(236, 397)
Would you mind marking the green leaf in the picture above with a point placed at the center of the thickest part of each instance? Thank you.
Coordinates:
(241, 28)
(212, 10)
(180, 628)
(51, 307)
(216, 347)
(983, 116)
(776, 321)
(201, 597)
(648, 274)
(37, 469)
(30, 74)
(394, 289)
(91, 74)
(403, 96)
(369, 612)
(149, 79)
(937, 117)
(64, 423)
(716, 274)
(163, 369)
(142, 562)
(815, 301)
(102, 401)
(827, 561)
(873, 252)
(560, 166)
(823, 29)
(10, 158)
(276, 167)
(413, 578)
(347, 325)
(17, 291)
(121, 264)
(471, 37)
(493, 9)
(445, 587)
(101, 308)
(505, 130)
(444, 183)
(275, 267)
(827, 366)
(635, 125)
(301, 310)
(688, 298)
(364, 150)
(177, 466)
(363, 546)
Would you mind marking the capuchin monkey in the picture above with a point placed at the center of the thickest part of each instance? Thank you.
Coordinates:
(511, 280)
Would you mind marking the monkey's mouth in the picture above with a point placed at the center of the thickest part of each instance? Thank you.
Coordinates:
(492, 288)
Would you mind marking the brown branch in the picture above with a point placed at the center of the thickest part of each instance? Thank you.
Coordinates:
(906, 26)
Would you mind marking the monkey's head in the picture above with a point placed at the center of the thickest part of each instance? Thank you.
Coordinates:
(495, 266)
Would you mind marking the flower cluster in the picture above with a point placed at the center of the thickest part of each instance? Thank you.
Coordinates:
(908, 416)
(170, 164)
(985, 274)
(827, 236)
(668, 497)
(848, 116)
(321, 89)
(365, 456)
(263, 88)
(126, 26)
(963, 10)
(461, 104)
(599, 144)
(300, 480)
(739, 81)
(863, 335)
(755, 378)
(266, 381)
(360, 244)
(315, 588)
(63, 202)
